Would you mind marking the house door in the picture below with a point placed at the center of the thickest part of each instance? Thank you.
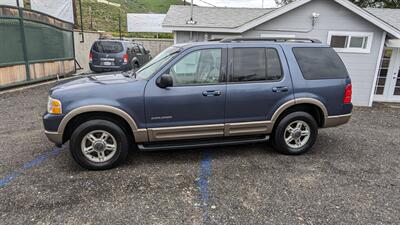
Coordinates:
(388, 82)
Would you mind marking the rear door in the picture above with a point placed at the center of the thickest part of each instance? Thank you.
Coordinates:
(258, 84)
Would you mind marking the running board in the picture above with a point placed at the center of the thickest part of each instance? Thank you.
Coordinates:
(201, 143)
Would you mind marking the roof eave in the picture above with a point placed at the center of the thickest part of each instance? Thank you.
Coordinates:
(271, 15)
(202, 29)
(370, 17)
(282, 10)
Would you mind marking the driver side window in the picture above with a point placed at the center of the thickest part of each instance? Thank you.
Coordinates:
(198, 67)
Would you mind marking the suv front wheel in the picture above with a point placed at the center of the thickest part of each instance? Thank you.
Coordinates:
(295, 134)
(98, 144)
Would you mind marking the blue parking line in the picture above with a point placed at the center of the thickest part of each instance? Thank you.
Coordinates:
(38, 160)
(205, 173)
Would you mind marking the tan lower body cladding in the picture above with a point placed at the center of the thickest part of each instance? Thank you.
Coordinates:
(221, 130)
(209, 131)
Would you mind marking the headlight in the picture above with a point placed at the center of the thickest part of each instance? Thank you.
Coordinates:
(54, 106)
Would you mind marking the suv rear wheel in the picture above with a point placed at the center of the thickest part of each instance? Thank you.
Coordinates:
(98, 145)
(295, 134)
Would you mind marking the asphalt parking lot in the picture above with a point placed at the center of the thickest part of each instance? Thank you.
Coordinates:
(351, 176)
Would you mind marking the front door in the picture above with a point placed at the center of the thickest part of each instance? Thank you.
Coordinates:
(388, 82)
(194, 107)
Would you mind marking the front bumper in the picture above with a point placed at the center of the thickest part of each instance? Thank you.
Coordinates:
(54, 137)
(50, 124)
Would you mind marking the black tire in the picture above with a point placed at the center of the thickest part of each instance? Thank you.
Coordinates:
(278, 136)
(80, 132)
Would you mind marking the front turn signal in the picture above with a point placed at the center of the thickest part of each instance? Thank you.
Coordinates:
(54, 106)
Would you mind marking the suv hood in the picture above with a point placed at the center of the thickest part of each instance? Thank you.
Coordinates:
(102, 86)
(93, 80)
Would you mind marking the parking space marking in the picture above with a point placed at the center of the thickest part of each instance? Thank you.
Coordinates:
(205, 173)
(38, 160)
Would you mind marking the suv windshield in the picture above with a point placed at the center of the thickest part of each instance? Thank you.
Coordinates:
(157, 62)
(108, 47)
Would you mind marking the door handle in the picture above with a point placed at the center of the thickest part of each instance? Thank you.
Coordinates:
(280, 89)
(211, 93)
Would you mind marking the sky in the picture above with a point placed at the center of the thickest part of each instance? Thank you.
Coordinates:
(236, 3)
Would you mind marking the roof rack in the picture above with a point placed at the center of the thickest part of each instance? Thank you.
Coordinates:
(114, 39)
(216, 39)
(306, 40)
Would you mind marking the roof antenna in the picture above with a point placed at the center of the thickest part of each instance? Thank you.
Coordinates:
(191, 21)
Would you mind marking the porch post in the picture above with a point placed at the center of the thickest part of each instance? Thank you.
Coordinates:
(378, 65)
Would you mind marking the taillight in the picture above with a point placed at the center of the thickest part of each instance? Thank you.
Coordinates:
(347, 94)
(90, 57)
(126, 58)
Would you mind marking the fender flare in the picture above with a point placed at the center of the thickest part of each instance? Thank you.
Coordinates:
(298, 101)
(139, 134)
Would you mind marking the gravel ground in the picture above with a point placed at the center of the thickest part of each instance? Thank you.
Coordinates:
(351, 176)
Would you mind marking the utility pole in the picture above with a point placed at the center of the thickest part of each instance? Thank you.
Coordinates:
(75, 14)
(90, 18)
(80, 9)
(119, 26)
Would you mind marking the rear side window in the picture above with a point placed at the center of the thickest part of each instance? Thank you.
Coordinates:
(320, 63)
(108, 47)
(256, 64)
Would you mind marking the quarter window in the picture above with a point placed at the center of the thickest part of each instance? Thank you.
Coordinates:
(356, 42)
(197, 68)
(320, 63)
(256, 64)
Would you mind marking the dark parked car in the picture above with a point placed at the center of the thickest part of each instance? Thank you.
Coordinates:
(232, 91)
(112, 55)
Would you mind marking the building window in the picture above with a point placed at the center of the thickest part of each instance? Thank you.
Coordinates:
(353, 42)
(383, 71)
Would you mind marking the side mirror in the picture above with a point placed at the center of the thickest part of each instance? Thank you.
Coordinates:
(165, 81)
(147, 51)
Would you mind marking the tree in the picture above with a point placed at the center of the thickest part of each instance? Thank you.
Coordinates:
(361, 3)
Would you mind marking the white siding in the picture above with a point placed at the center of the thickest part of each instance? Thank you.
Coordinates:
(333, 17)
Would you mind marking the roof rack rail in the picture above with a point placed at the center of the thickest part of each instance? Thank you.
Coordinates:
(115, 39)
(278, 39)
(216, 39)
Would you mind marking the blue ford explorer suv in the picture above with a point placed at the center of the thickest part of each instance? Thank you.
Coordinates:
(232, 91)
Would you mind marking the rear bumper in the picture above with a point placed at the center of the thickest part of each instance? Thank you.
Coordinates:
(54, 137)
(334, 121)
(99, 67)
